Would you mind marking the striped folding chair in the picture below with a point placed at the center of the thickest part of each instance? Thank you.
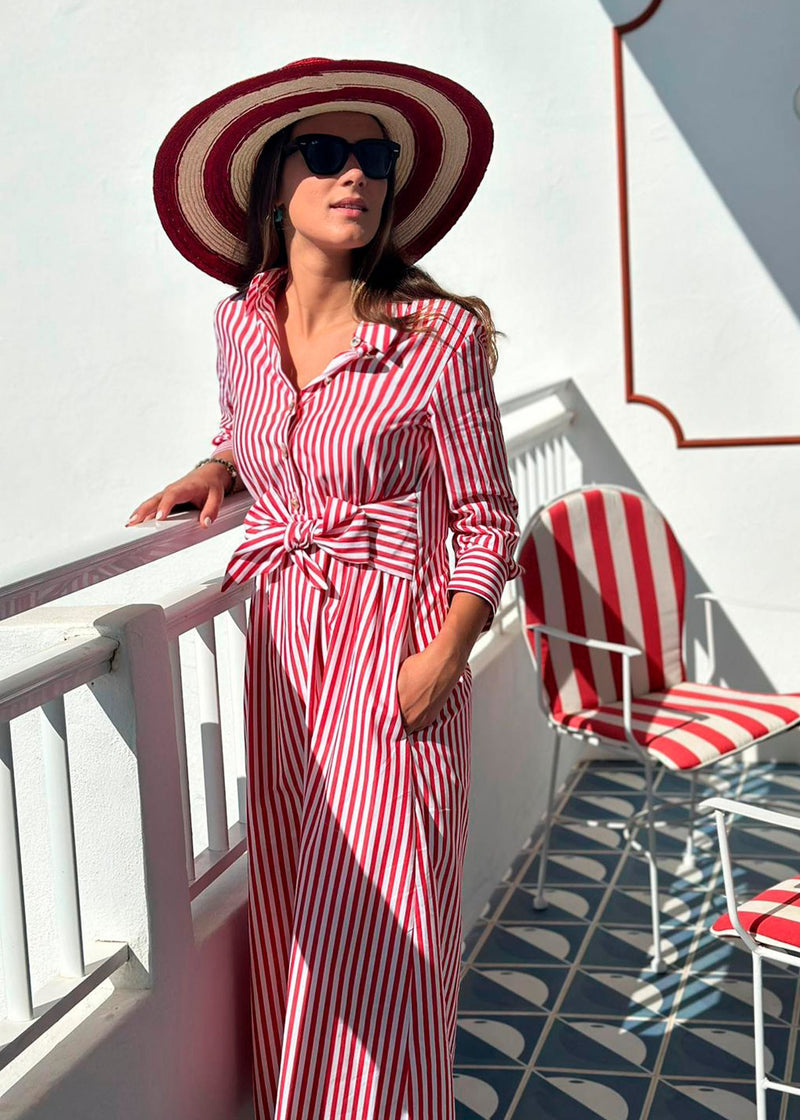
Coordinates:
(602, 609)
(768, 925)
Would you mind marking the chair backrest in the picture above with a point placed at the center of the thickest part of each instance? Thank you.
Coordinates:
(602, 562)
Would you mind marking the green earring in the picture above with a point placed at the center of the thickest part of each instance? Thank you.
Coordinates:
(277, 216)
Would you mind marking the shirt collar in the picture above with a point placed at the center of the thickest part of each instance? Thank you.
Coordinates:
(379, 337)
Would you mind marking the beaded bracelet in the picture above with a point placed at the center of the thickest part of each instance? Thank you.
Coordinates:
(231, 469)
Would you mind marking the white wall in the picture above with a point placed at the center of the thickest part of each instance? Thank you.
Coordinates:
(109, 373)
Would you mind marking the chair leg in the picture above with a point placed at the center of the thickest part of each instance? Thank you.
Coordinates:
(540, 899)
(650, 856)
(758, 1033)
(689, 863)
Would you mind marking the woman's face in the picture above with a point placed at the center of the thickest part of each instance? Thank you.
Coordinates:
(310, 202)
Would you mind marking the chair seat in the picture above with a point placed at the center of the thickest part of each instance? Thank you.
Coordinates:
(691, 724)
(772, 917)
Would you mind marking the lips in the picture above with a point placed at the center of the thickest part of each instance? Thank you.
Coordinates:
(349, 204)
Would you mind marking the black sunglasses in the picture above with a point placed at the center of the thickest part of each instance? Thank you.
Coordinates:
(327, 155)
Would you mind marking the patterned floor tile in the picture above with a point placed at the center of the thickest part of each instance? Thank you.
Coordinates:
(573, 836)
(564, 904)
(696, 1048)
(631, 907)
(626, 948)
(555, 1096)
(607, 779)
(569, 869)
(729, 999)
(588, 806)
(624, 1046)
(508, 989)
(620, 995)
(707, 1100)
(672, 872)
(533, 944)
(496, 1040)
(485, 1095)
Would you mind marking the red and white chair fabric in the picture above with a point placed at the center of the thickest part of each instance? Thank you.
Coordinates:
(768, 925)
(602, 603)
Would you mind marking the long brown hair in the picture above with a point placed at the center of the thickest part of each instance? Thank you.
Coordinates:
(380, 273)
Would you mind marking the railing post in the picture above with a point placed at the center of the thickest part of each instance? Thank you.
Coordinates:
(147, 903)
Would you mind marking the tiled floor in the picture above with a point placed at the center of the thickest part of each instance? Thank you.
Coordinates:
(559, 1015)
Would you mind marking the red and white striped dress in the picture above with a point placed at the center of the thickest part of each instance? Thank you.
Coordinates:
(356, 829)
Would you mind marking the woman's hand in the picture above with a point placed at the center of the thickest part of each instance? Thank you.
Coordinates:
(424, 681)
(204, 487)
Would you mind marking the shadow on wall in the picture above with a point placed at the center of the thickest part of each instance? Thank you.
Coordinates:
(712, 143)
(720, 70)
(601, 461)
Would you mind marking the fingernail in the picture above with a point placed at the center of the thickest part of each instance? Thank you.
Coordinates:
(159, 515)
(207, 521)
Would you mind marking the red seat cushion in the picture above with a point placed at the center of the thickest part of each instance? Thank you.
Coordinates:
(690, 724)
(772, 917)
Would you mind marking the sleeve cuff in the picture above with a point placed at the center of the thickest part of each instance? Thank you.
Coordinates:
(484, 573)
(221, 443)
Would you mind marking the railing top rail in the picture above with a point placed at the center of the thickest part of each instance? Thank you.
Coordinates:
(112, 555)
(50, 673)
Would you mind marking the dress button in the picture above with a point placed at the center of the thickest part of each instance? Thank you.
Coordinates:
(295, 502)
(328, 379)
(284, 450)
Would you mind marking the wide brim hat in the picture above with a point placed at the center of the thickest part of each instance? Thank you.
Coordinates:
(205, 164)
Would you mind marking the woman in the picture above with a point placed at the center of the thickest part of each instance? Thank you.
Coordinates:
(358, 409)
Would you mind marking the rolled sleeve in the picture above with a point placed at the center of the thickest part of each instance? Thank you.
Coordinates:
(483, 510)
(223, 439)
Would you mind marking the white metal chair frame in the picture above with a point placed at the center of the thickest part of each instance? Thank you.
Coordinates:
(630, 749)
(721, 806)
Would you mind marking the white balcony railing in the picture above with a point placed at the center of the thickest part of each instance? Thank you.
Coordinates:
(131, 657)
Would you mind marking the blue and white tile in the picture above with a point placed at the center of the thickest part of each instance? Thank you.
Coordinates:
(589, 806)
(555, 1096)
(624, 948)
(707, 1100)
(485, 1095)
(621, 1046)
(693, 1049)
(619, 995)
(775, 843)
(573, 869)
(672, 872)
(729, 999)
(531, 944)
(612, 780)
(574, 836)
(631, 907)
(564, 904)
(510, 989)
(497, 1040)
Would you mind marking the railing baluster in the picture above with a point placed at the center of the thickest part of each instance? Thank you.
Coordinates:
(55, 753)
(183, 766)
(13, 930)
(237, 646)
(211, 737)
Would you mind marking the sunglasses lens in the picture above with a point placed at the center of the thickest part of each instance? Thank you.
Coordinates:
(325, 155)
(375, 157)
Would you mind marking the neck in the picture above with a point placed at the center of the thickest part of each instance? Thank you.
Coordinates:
(318, 290)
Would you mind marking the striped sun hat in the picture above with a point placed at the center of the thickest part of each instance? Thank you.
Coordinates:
(205, 165)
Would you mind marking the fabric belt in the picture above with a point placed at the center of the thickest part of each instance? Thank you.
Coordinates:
(380, 535)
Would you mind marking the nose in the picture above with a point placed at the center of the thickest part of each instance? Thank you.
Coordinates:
(351, 172)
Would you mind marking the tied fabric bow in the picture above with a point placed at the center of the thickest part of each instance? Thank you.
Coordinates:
(379, 534)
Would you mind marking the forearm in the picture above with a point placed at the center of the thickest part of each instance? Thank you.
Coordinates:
(464, 622)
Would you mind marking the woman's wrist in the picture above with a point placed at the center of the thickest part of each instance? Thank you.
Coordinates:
(228, 465)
